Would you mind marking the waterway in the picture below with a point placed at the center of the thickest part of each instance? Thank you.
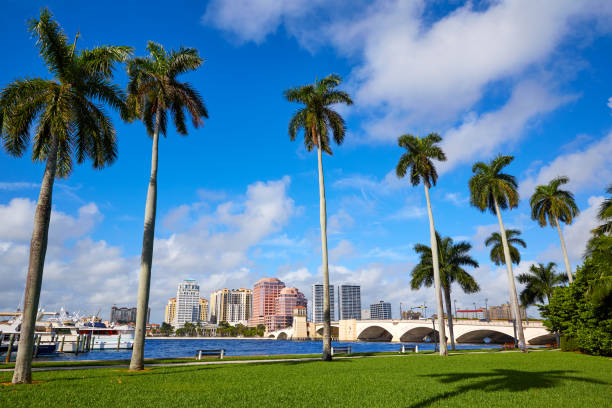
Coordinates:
(174, 348)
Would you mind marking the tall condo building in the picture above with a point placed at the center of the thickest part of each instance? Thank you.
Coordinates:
(187, 303)
(286, 302)
(232, 306)
(317, 303)
(349, 302)
(380, 311)
(170, 314)
(203, 310)
(265, 292)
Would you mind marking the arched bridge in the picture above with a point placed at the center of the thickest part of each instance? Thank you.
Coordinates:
(466, 331)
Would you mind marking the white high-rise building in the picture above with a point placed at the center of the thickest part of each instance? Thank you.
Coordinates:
(317, 303)
(380, 311)
(187, 303)
(232, 306)
(349, 302)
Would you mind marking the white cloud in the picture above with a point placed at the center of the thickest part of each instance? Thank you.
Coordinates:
(479, 137)
(339, 221)
(610, 102)
(344, 249)
(587, 169)
(296, 276)
(408, 212)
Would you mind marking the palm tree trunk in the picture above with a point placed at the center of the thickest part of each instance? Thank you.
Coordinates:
(38, 249)
(449, 315)
(512, 287)
(327, 356)
(565, 257)
(437, 282)
(144, 280)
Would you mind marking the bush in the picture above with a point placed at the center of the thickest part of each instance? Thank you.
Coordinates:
(569, 344)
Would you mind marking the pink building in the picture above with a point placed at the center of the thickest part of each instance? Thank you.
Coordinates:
(265, 292)
(286, 302)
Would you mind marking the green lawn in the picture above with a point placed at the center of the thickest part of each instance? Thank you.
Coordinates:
(537, 379)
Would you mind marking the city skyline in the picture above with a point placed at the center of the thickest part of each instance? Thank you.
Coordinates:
(545, 101)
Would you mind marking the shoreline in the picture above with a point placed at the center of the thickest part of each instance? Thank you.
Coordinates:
(203, 338)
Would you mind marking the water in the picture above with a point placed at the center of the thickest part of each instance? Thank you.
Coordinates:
(173, 348)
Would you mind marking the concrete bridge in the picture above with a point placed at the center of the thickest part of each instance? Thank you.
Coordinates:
(466, 331)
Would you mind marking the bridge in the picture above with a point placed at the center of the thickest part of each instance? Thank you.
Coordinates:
(466, 331)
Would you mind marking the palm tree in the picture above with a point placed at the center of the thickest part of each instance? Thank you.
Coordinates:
(605, 215)
(316, 118)
(540, 283)
(419, 155)
(497, 249)
(453, 257)
(549, 205)
(492, 190)
(69, 119)
(153, 90)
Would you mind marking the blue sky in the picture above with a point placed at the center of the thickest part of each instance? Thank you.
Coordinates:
(239, 201)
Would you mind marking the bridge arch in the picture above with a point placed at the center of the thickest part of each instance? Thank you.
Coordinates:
(375, 333)
(282, 336)
(419, 334)
(335, 331)
(479, 336)
(548, 338)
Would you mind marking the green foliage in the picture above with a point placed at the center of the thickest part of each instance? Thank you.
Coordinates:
(166, 329)
(605, 215)
(549, 204)
(568, 344)
(316, 118)
(453, 258)
(497, 249)
(540, 283)
(64, 112)
(418, 158)
(574, 312)
(489, 186)
(153, 89)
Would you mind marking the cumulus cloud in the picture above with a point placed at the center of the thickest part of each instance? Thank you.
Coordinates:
(89, 274)
(339, 221)
(588, 169)
(18, 185)
(479, 137)
(344, 249)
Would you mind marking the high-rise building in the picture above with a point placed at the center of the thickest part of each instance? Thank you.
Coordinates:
(170, 314)
(203, 310)
(380, 311)
(187, 303)
(286, 302)
(125, 315)
(317, 303)
(349, 302)
(232, 306)
(265, 292)
(219, 300)
(503, 312)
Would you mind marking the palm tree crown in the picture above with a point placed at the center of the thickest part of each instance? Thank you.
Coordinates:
(489, 185)
(540, 283)
(154, 90)
(453, 258)
(605, 215)
(549, 203)
(497, 251)
(316, 117)
(68, 108)
(419, 155)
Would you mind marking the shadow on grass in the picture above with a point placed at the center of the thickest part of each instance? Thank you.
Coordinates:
(501, 380)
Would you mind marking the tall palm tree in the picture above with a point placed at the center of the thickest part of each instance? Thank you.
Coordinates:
(70, 119)
(497, 249)
(540, 283)
(493, 190)
(316, 118)
(551, 205)
(418, 158)
(453, 257)
(605, 215)
(153, 90)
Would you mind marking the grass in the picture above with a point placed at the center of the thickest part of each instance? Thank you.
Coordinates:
(542, 379)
